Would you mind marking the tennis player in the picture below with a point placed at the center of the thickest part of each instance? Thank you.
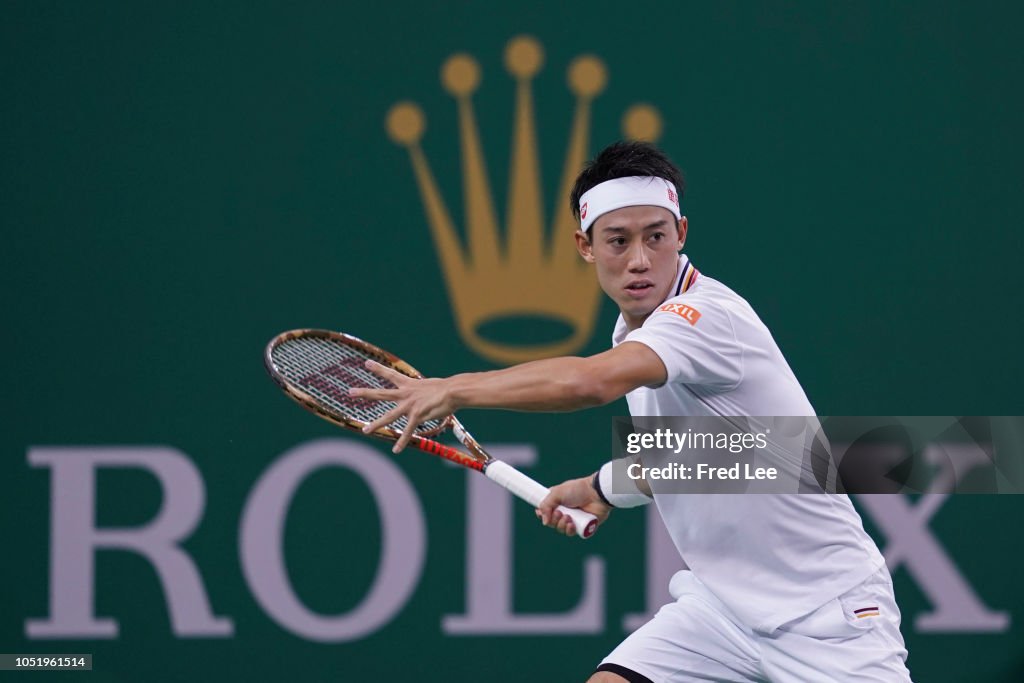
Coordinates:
(777, 587)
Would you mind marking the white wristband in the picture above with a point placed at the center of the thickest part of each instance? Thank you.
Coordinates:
(620, 494)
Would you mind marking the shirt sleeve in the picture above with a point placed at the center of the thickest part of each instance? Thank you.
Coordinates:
(696, 341)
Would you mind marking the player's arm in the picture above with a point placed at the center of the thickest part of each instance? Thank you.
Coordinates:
(553, 384)
(561, 384)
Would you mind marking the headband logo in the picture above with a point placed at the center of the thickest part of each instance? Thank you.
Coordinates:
(583, 210)
(672, 196)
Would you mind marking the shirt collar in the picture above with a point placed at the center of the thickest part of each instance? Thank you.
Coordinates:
(685, 279)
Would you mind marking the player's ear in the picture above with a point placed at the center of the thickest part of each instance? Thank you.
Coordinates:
(584, 246)
(682, 231)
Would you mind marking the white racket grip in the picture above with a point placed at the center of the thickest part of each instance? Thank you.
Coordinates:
(533, 493)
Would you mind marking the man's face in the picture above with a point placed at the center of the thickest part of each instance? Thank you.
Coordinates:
(635, 250)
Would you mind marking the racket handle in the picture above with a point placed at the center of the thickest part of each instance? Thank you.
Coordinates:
(533, 493)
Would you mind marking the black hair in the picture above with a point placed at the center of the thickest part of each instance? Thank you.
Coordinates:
(621, 160)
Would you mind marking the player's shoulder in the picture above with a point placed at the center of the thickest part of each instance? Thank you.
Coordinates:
(715, 293)
(707, 297)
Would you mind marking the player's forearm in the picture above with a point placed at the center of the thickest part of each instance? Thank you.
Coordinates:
(554, 384)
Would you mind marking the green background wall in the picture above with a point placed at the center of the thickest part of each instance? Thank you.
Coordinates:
(179, 183)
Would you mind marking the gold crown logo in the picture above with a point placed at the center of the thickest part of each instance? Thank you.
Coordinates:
(529, 274)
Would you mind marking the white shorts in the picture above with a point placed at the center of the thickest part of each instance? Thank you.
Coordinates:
(697, 638)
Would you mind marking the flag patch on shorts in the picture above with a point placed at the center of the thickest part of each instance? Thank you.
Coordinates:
(866, 612)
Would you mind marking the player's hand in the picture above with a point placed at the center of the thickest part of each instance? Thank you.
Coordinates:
(418, 400)
(575, 493)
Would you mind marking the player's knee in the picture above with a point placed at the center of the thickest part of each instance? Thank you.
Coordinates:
(615, 673)
(606, 677)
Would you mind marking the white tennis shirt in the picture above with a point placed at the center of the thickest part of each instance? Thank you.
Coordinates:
(769, 558)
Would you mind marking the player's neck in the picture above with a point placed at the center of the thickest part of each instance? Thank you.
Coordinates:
(633, 322)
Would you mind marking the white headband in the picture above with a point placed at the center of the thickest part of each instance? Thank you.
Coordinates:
(630, 191)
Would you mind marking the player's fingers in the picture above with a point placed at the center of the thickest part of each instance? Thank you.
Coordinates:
(546, 514)
(557, 520)
(403, 441)
(387, 419)
(390, 374)
(565, 525)
(373, 394)
(547, 506)
(547, 519)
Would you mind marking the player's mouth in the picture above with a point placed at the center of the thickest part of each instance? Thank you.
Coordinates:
(639, 288)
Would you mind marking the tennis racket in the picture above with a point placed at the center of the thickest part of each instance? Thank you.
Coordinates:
(316, 368)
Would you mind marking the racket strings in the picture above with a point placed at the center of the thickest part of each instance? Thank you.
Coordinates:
(326, 369)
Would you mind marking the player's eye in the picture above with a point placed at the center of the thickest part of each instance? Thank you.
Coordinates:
(657, 237)
(618, 241)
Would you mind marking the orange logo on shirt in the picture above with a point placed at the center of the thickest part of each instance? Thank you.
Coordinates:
(690, 315)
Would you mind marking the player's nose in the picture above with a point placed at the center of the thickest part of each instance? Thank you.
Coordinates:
(639, 259)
